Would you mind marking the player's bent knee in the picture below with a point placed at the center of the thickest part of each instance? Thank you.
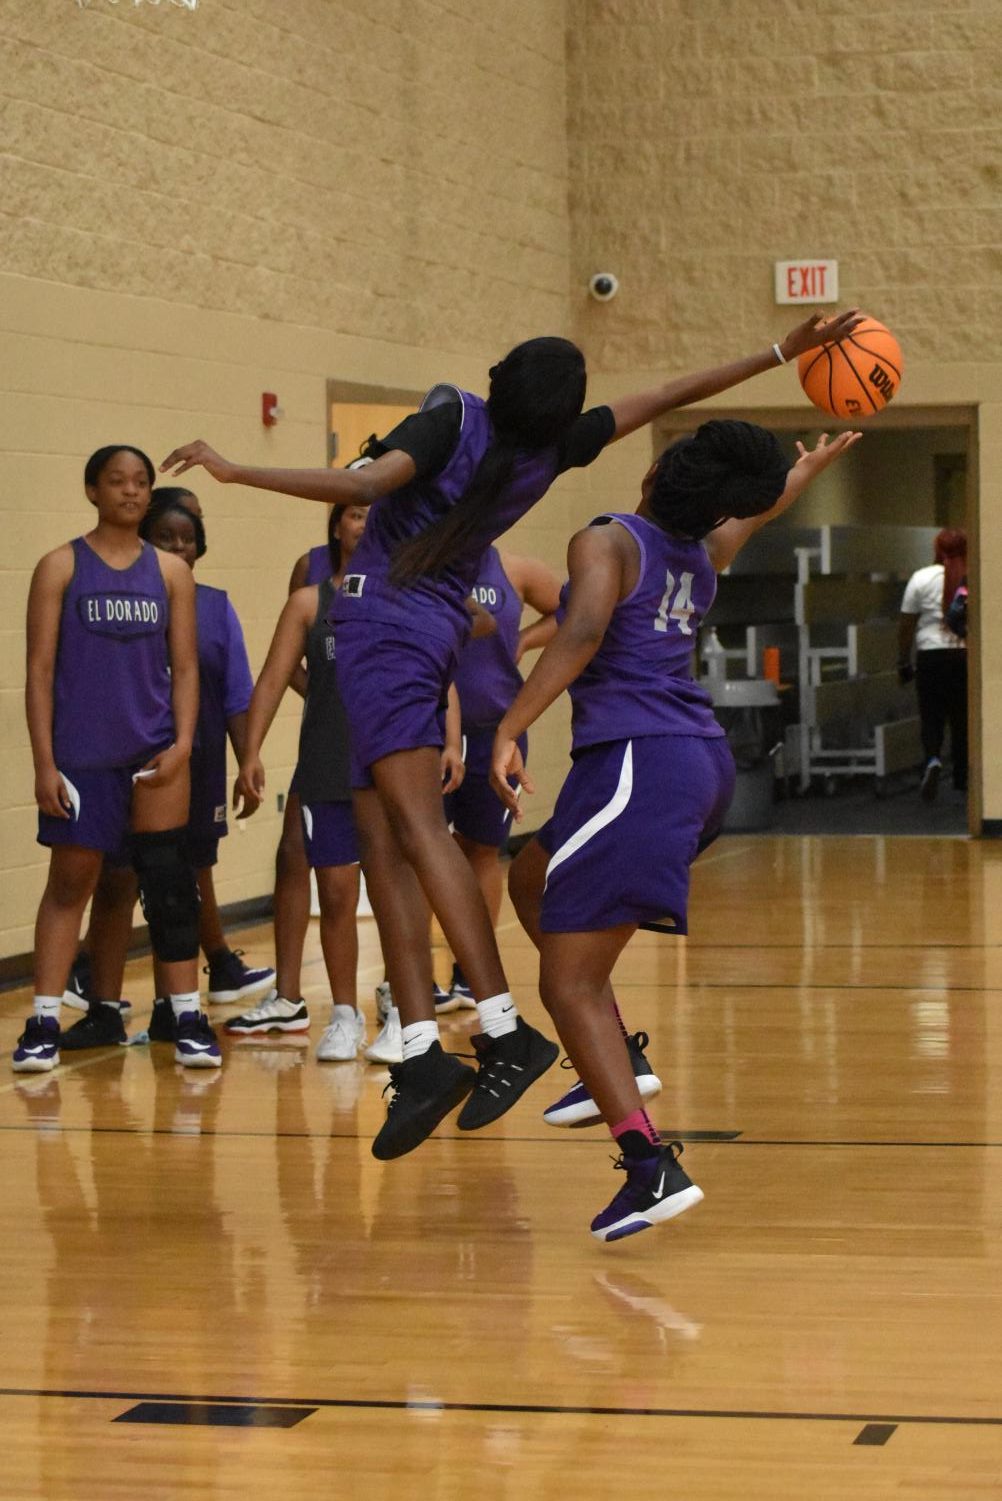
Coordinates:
(168, 892)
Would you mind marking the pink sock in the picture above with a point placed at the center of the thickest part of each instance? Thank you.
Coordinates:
(638, 1121)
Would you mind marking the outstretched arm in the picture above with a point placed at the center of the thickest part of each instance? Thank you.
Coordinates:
(632, 412)
(350, 487)
(724, 544)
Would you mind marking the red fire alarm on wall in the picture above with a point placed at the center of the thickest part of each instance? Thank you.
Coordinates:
(270, 409)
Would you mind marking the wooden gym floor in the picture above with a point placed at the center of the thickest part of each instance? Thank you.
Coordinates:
(211, 1289)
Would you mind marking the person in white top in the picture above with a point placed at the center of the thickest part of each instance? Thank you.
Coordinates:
(940, 669)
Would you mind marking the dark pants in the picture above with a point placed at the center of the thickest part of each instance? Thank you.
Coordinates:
(941, 683)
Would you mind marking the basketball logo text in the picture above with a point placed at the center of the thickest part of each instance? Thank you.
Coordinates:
(879, 377)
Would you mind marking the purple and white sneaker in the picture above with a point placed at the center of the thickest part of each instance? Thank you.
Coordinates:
(37, 1050)
(656, 1189)
(577, 1108)
(196, 1045)
(230, 979)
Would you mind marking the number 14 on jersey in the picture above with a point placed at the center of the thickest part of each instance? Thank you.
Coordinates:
(676, 604)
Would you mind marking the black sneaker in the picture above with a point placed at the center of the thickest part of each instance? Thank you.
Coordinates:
(577, 1108)
(507, 1066)
(230, 979)
(425, 1089)
(656, 1189)
(163, 1024)
(102, 1027)
(78, 992)
(930, 779)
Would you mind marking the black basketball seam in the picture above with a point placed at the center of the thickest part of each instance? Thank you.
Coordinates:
(808, 368)
(876, 353)
(860, 379)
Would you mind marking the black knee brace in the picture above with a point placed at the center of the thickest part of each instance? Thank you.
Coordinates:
(168, 892)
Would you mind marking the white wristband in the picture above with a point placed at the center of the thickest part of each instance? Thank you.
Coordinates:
(780, 357)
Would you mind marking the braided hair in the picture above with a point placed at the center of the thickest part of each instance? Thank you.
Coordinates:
(724, 469)
(536, 393)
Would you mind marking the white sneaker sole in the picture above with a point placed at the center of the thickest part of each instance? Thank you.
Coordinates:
(260, 1028)
(225, 997)
(197, 1060)
(35, 1065)
(584, 1112)
(384, 1055)
(656, 1215)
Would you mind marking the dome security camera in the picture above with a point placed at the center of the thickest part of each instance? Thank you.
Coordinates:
(603, 286)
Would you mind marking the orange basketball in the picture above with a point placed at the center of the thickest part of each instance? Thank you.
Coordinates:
(855, 377)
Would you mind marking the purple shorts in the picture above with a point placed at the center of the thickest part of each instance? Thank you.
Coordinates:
(393, 688)
(329, 834)
(102, 808)
(630, 819)
(475, 810)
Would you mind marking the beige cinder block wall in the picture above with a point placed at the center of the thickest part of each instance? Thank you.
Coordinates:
(201, 206)
(709, 138)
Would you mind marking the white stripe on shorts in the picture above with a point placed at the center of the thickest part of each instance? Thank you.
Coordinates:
(600, 820)
(307, 820)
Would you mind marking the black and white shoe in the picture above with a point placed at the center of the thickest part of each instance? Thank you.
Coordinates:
(506, 1067)
(273, 1014)
(577, 1108)
(656, 1189)
(102, 1027)
(425, 1089)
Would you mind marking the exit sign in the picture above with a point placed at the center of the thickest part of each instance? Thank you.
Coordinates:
(806, 281)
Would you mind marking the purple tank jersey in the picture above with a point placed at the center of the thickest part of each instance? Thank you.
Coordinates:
(112, 691)
(224, 689)
(640, 681)
(487, 679)
(318, 566)
(437, 606)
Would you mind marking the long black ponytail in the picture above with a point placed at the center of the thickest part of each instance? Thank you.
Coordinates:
(536, 393)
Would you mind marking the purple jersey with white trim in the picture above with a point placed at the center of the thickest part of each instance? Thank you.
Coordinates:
(487, 679)
(112, 689)
(640, 681)
(437, 605)
(318, 564)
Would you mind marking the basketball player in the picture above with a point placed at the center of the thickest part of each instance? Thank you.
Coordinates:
(487, 679)
(112, 699)
(652, 773)
(444, 484)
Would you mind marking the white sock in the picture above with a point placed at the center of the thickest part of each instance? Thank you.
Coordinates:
(418, 1038)
(498, 1014)
(112, 1004)
(47, 1005)
(179, 1004)
(343, 1013)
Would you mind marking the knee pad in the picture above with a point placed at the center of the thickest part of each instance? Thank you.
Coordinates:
(168, 892)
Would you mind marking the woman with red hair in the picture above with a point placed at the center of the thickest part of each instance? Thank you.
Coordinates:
(940, 670)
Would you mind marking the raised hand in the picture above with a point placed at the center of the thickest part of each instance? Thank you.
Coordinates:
(819, 329)
(190, 455)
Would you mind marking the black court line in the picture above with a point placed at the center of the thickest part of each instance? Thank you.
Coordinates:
(566, 1139)
(535, 1409)
(875, 1433)
(215, 1415)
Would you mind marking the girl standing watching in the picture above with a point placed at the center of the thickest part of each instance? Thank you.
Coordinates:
(112, 699)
